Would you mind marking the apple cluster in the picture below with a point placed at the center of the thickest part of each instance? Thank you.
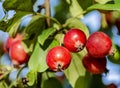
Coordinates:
(16, 50)
(98, 46)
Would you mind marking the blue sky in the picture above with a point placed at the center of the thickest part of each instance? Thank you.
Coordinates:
(1, 11)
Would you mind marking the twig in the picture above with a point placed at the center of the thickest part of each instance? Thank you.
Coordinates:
(47, 11)
(39, 80)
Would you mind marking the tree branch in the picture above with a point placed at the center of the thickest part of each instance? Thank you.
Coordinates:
(47, 11)
(39, 80)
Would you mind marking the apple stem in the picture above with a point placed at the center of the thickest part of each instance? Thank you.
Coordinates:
(59, 68)
(112, 52)
(79, 46)
(17, 66)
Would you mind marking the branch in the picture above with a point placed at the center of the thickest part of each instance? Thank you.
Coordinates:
(39, 80)
(47, 11)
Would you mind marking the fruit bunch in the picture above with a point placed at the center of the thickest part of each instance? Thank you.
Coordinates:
(98, 46)
(59, 58)
(16, 51)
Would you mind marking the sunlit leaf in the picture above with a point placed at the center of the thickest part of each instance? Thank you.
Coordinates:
(59, 37)
(117, 1)
(76, 23)
(75, 9)
(37, 60)
(76, 69)
(19, 5)
(45, 34)
(32, 76)
(14, 28)
(104, 7)
(102, 1)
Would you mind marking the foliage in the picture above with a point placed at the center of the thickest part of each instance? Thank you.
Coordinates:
(39, 37)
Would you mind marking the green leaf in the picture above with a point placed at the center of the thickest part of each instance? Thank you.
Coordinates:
(35, 31)
(87, 3)
(76, 23)
(36, 25)
(19, 5)
(117, 1)
(32, 31)
(116, 57)
(32, 76)
(14, 23)
(37, 60)
(59, 37)
(62, 11)
(104, 7)
(83, 81)
(45, 34)
(13, 28)
(3, 84)
(76, 69)
(3, 25)
(102, 1)
(75, 9)
(96, 81)
(52, 83)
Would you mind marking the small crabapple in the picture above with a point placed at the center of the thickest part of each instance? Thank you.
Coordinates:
(99, 45)
(18, 54)
(74, 40)
(10, 40)
(58, 58)
(94, 66)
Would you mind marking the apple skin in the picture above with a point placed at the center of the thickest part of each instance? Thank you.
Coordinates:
(18, 54)
(93, 65)
(75, 40)
(11, 40)
(99, 45)
(58, 58)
